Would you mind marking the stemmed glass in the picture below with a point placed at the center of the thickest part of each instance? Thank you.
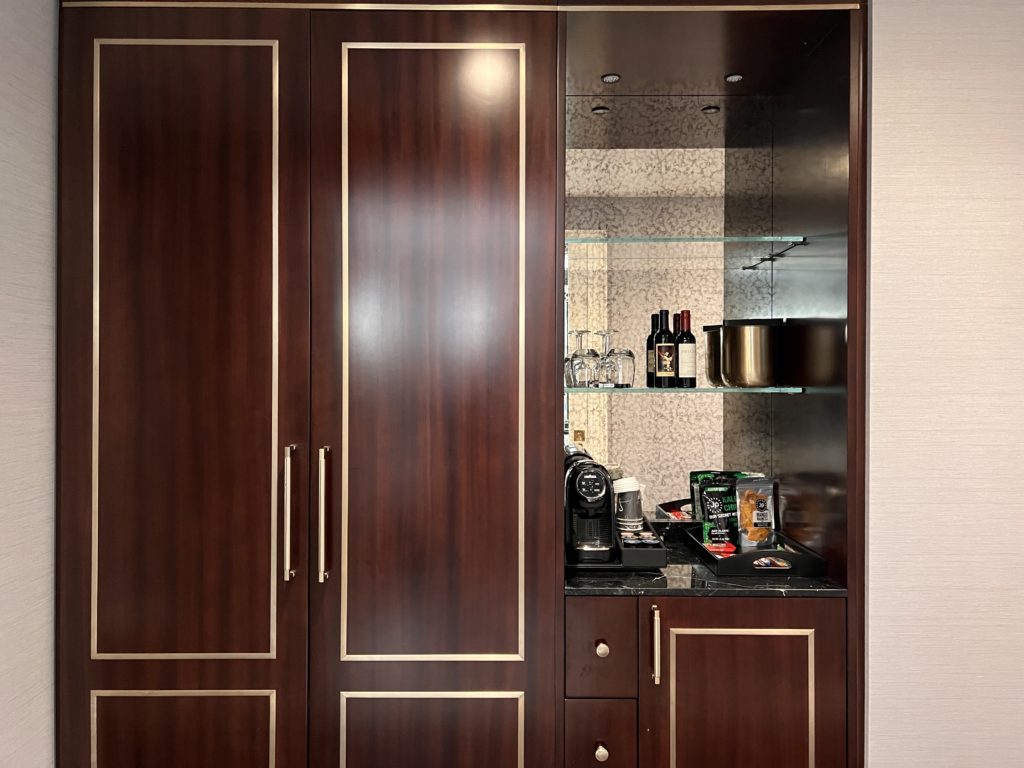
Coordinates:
(618, 366)
(567, 362)
(583, 363)
(606, 368)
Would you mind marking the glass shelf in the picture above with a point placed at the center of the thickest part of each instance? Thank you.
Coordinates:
(695, 390)
(642, 239)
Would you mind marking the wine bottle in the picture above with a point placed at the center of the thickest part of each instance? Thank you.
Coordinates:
(664, 354)
(686, 354)
(650, 350)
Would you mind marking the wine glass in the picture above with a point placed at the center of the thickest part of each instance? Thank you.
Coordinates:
(606, 367)
(621, 363)
(584, 364)
(567, 362)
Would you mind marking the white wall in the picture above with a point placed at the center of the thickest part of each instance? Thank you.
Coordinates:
(28, 96)
(946, 530)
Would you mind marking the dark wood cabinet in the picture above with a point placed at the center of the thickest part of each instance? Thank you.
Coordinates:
(600, 647)
(278, 455)
(600, 732)
(736, 681)
(183, 377)
(309, 490)
(716, 682)
(435, 381)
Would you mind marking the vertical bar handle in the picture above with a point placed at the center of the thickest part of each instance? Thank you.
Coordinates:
(656, 622)
(289, 572)
(321, 543)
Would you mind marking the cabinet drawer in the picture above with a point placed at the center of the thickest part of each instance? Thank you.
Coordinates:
(600, 647)
(600, 732)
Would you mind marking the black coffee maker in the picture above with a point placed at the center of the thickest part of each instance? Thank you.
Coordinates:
(588, 509)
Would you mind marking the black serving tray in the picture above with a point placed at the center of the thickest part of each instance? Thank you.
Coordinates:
(664, 511)
(788, 557)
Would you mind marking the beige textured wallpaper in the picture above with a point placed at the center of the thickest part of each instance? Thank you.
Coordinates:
(946, 566)
(28, 95)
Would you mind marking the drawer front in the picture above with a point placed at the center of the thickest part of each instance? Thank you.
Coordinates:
(600, 647)
(600, 732)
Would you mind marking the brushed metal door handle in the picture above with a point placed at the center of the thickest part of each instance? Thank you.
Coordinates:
(289, 572)
(321, 544)
(656, 622)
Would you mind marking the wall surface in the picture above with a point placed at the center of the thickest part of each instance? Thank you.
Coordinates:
(28, 96)
(945, 636)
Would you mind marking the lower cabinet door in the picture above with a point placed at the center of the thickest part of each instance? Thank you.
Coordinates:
(600, 732)
(742, 681)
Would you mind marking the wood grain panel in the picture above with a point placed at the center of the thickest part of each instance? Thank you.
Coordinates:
(436, 730)
(187, 421)
(609, 723)
(185, 464)
(436, 272)
(755, 692)
(593, 620)
(433, 351)
(167, 729)
(740, 673)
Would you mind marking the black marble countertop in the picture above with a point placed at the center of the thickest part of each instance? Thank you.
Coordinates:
(686, 575)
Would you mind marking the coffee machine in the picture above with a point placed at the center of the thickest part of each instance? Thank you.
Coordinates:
(589, 536)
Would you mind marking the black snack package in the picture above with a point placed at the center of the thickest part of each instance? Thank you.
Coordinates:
(719, 503)
(701, 477)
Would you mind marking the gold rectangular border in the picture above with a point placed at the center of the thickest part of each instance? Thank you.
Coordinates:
(95, 695)
(521, 618)
(98, 44)
(839, 6)
(518, 695)
(676, 631)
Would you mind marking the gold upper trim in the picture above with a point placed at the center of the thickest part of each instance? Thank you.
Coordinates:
(95, 695)
(457, 7)
(98, 44)
(520, 655)
(518, 696)
(674, 632)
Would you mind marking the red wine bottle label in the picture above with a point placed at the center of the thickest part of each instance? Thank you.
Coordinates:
(665, 360)
(687, 361)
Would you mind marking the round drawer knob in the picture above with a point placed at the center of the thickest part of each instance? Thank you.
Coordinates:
(601, 753)
(602, 649)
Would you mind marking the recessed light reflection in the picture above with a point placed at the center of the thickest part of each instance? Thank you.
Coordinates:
(488, 75)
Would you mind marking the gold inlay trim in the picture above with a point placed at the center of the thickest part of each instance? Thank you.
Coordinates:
(518, 696)
(458, 7)
(96, 695)
(768, 632)
(98, 44)
(520, 655)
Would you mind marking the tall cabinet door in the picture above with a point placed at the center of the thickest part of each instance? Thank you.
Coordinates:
(436, 399)
(183, 388)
